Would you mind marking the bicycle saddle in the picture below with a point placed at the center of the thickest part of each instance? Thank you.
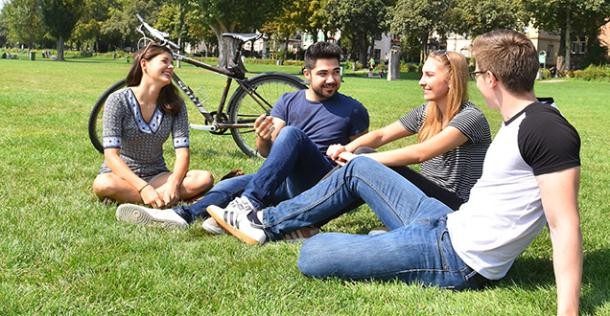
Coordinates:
(244, 37)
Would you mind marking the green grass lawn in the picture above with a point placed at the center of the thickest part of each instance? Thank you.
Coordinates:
(63, 252)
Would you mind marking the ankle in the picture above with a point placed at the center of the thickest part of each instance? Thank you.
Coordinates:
(255, 218)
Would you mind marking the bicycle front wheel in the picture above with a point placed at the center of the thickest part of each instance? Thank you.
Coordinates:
(245, 106)
(95, 118)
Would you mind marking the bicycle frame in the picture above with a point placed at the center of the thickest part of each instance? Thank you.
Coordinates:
(241, 80)
(216, 125)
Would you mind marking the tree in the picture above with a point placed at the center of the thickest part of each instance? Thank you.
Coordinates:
(60, 17)
(297, 15)
(88, 29)
(23, 22)
(475, 17)
(569, 17)
(119, 28)
(3, 30)
(416, 20)
(236, 16)
(359, 21)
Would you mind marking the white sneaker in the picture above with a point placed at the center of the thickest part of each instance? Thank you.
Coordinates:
(210, 226)
(234, 219)
(141, 215)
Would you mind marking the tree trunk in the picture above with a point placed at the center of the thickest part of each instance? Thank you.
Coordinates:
(225, 52)
(180, 29)
(568, 46)
(60, 49)
(424, 51)
(362, 54)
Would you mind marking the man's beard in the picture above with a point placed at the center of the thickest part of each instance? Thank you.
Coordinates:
(320, 92)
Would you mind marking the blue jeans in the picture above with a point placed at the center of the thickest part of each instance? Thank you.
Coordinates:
(293, 165)
(417, 249)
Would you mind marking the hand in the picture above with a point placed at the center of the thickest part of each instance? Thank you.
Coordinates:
(345, 157)
(263, 127)
(335, 150)
(151, 197)
(170, 196)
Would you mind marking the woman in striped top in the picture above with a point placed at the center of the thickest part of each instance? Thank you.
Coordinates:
(453, 135)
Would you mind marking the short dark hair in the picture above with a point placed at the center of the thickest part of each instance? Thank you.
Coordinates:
(321, 50)
(510, 56)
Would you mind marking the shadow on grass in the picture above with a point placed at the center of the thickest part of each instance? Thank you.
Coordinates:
(531, 273)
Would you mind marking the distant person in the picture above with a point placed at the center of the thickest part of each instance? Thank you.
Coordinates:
(530, 181)
(137, 121)
(371, 64)
(381, 69)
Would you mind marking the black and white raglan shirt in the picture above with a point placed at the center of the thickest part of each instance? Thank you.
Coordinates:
(504, 213)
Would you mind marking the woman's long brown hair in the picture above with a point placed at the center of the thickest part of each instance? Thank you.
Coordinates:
(170, 100)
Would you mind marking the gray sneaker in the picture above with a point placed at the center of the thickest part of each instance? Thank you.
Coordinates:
(210, 226)
(141, 215)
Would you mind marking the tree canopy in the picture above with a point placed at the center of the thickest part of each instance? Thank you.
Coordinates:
(359, 21)
(60, 17)
(103, 25)
(569, 17)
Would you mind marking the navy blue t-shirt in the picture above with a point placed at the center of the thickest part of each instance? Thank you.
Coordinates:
(332, 121)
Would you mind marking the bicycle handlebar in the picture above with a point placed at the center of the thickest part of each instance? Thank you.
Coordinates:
(159, 35)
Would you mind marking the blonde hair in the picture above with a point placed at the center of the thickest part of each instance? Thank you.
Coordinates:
(457, 95)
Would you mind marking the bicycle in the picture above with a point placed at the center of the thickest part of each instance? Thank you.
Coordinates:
(252, 97)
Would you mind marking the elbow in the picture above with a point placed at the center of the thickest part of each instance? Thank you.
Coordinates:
(419, 157)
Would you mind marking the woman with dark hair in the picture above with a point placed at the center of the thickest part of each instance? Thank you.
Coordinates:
(137, 121)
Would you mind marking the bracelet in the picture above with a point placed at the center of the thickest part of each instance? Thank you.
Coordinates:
(142, 188)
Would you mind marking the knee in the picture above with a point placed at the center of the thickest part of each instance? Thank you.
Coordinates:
(103, 186)
(202, 180)
(290, 133)
(312, 259)
(360, 162)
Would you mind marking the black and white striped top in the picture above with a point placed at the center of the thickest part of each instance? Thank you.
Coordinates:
(456, 170)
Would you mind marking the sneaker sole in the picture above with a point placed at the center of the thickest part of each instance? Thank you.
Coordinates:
(134, 214)
(229, 228)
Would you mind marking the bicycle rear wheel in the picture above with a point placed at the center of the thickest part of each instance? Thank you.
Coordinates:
(244, 109)
(95, 118)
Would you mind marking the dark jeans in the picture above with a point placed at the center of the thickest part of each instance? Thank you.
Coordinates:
(294, 165)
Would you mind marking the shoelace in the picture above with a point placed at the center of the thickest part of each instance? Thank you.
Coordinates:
(239, 204)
